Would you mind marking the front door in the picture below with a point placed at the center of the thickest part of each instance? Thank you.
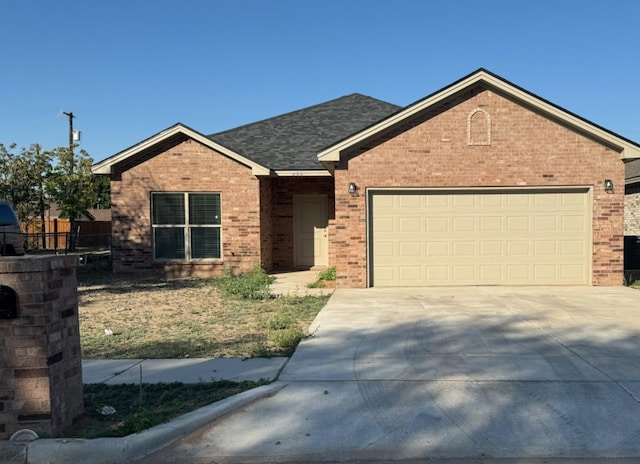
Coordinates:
(310, 231)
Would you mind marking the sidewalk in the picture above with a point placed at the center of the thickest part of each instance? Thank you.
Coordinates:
(118, 371)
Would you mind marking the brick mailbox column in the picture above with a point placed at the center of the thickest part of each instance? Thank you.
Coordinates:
(40, 364)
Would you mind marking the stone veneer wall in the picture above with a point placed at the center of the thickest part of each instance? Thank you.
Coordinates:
(40, 364)
(632, 210)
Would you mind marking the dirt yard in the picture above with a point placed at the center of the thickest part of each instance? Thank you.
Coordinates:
(157, 318)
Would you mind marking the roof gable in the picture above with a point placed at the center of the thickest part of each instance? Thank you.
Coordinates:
(626, 148)
(291, 141)
(106, 166)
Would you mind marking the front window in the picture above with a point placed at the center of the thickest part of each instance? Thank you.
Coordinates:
(186, 226)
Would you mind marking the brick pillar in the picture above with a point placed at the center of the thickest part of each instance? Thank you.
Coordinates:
(40, 364)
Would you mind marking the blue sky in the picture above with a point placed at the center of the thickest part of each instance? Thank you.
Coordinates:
(128, 69)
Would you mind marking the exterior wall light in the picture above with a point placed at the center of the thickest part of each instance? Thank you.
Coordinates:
(608, 185)
(353, 189)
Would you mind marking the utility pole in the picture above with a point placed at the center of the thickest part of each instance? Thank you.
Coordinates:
(71, 116)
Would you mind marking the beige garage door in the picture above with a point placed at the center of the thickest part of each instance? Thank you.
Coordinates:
(501, 237)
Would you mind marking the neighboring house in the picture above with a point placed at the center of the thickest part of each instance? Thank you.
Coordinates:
(632, 198)
(481, 182)
(632, 215)
(93, 214)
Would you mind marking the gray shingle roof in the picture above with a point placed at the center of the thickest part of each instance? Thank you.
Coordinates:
(292, 141)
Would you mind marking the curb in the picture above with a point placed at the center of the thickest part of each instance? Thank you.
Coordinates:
(137, 446)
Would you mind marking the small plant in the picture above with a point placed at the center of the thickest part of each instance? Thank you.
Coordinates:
(328, 275)
(252, 285)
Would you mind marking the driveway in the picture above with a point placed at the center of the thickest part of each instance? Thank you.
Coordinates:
(451, 372)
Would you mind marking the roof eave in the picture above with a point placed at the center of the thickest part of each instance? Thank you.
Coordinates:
(301, 173)
(105, 166)
(626, 148)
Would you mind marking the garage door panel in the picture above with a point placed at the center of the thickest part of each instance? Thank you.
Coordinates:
(463, 224)
(573, 247)
(498, 237)
(572, 271)
(409, 224)
(517, 248)
(518, 224)
(492, 273)
(436, 249)
(436, 224)
(545, 223)
(464, 273)
(410, 273)
(491, 248)
(384, 225)
(573, 223)
(410, 249)
(437, 274)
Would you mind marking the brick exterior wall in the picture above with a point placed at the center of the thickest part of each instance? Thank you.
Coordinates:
(521, 148)
(184, 165)
(632, 210)
(40, 364)
(284, 189)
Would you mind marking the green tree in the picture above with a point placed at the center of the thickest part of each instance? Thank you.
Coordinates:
(102, 191)
(71, 185)
(23, 177)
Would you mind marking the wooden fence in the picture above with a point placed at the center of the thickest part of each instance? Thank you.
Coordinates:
(55, 236)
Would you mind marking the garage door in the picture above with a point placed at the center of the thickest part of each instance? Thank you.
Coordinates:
(502, 237)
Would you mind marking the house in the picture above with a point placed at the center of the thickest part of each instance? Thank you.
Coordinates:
(481, 182)
(632, 215)
(632, 198)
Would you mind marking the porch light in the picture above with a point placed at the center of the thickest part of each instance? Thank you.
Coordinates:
(608, 185)
(353, 189)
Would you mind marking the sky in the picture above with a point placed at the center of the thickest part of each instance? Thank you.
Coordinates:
(128, 69)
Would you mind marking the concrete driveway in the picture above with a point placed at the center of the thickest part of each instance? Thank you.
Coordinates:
(473, 372)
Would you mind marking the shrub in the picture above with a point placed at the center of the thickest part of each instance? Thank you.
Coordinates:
(252, 285)
(328, 274)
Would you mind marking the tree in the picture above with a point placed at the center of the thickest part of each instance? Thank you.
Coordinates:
(22, 180)
(102, 185)
(71, 185)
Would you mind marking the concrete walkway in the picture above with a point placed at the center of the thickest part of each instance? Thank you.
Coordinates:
(475, 373)
(118, 371)
(294, 283)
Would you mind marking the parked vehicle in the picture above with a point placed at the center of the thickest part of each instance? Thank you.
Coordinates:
(11, 241)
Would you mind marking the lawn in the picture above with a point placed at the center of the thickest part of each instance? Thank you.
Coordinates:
(152, 317)
(139, 407)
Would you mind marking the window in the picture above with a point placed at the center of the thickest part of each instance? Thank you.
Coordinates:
(186, 226)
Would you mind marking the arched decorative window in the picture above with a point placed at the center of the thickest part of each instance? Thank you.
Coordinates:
(479, 127)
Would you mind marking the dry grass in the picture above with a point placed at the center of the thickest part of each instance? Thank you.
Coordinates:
(159, 318)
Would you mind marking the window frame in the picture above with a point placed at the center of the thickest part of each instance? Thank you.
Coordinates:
(186, 228)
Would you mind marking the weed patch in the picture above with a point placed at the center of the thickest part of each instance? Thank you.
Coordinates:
(326, 278)
(253, 285)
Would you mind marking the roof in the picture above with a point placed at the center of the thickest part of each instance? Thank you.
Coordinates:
(632, 172)
(482, 77)
(291, 141)
(103, 214)
(128, 156)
